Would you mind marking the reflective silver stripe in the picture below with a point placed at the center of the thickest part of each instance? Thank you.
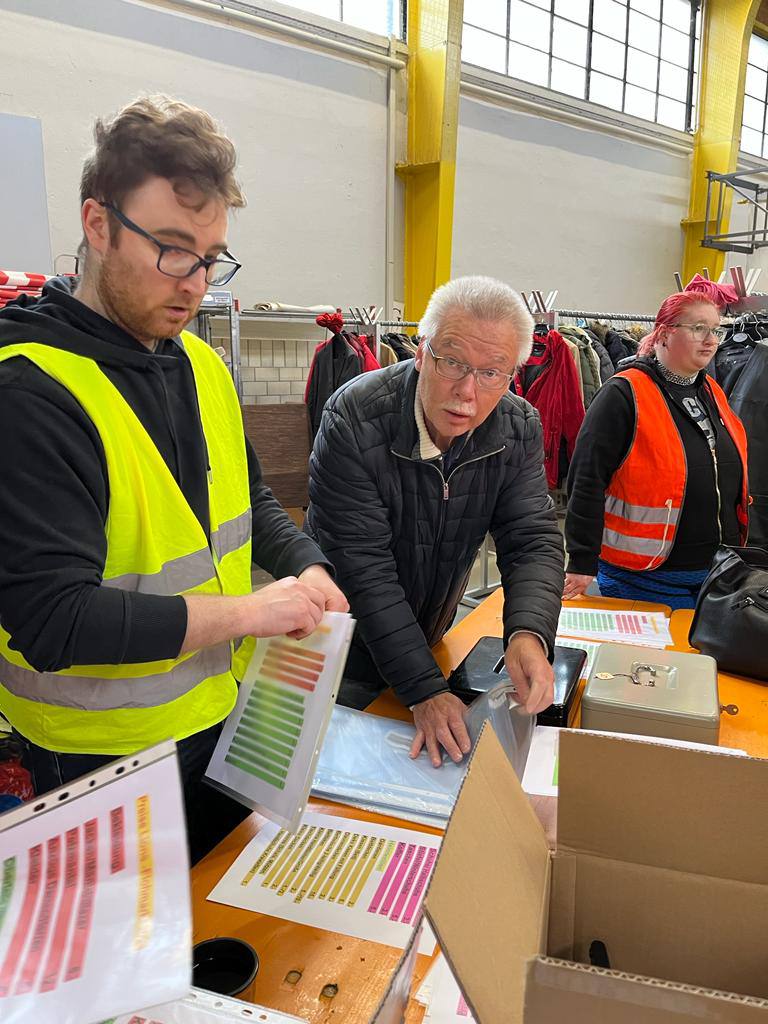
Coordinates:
(640, 513)
(180, 574)
(89, 693)
(233, 534)
(188, 571)
(636, 545)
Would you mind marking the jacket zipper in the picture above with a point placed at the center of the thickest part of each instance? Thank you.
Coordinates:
(446, 495)
(748, 600)
(446, 492)
(469, 462)
(719, 499)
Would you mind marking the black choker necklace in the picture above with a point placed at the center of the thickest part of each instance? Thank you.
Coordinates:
(674, 378)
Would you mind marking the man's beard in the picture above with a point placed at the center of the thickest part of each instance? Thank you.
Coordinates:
(121, 298)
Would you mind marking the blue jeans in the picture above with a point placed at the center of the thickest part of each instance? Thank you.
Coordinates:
(678, 589)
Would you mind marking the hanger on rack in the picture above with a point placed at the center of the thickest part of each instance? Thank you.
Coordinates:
(542, 310)
(540, 331)
(747, 330)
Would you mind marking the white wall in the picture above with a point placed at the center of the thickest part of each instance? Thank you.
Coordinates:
(538, 202)
(310, 130)
(548, 205)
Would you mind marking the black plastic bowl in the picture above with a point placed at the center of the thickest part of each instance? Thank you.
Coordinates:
(226, 966)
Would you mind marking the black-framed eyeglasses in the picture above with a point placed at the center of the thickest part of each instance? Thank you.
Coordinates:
(174, 261)
(452, 369)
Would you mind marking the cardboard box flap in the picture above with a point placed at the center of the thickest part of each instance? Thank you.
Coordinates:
(557, 990)
(488, 898)
(687, 810)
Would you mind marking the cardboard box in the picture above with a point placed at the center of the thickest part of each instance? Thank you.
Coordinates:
(662, 854)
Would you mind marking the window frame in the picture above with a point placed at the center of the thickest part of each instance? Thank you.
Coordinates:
(690, 100)
(763, 100)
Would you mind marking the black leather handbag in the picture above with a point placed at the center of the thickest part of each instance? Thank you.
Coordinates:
(730, 622)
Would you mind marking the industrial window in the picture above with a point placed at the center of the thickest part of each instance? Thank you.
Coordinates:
(636, 56)
(382, 16)
(754, 129)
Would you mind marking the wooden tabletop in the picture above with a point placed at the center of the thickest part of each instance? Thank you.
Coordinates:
(747, 730)
(299, 963)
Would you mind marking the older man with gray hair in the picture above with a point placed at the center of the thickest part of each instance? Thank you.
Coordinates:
(412, 466)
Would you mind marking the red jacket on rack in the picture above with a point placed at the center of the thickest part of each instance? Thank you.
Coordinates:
(557, 396)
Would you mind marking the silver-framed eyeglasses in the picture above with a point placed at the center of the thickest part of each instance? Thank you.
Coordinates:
(702, 331)
(452, 369)
(175, 261)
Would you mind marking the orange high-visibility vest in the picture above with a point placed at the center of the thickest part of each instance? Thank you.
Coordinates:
(645, 495)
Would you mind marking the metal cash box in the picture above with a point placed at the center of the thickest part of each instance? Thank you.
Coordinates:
(652, 692)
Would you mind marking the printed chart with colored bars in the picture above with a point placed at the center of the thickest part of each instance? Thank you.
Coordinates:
(94, 901)
(348, 876)
(266, 754)
(646, 629)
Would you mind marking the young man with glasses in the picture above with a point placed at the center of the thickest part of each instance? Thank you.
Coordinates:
(412, 467)
(132, 504)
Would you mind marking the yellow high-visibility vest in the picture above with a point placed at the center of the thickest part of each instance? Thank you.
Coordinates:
(155, 545)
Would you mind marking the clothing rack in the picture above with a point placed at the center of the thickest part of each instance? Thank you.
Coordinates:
(634, 318)
(219, 303)
(388, 323)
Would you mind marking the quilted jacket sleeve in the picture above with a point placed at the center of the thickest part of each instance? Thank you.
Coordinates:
(529, 546)
(352, 527)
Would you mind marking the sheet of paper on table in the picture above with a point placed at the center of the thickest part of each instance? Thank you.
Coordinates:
(268, 748)
(646, 629)
(94, 895)
(590, 646)
(355, 877)
(441, 996)
(541, 769)
(201, 1007)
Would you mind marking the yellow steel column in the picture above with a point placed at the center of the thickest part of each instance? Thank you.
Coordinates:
(725, 40)
(434, 65)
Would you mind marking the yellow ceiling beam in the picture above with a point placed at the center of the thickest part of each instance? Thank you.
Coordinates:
(725, 38)
(429, 174)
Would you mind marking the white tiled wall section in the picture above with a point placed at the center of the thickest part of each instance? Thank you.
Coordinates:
(275, 369)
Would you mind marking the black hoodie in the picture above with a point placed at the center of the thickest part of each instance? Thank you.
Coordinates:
(602, 446)
(54, 491)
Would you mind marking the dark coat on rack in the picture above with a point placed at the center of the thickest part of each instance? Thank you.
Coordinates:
(403, 536)
(619, 345)
(729, 362)
(333, 364)
(607, 369)
(400, 344)
(749, 400)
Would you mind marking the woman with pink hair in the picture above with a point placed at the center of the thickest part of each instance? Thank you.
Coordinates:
(658, 478)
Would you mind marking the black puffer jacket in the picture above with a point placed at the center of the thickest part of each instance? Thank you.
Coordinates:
(403, 538)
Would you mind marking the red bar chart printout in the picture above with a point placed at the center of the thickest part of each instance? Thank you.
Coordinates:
(94, 898)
